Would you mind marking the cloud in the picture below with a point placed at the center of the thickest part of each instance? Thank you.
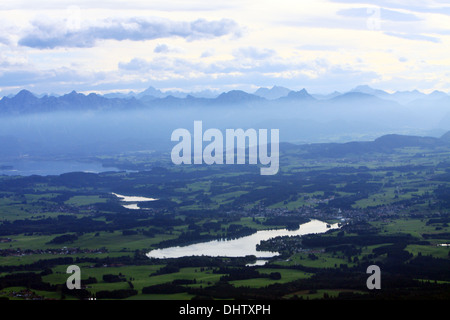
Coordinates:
(162, 66)
(207, 53)
(22, 77)
(183, 72)
(4, 40)
(134, 64)
(44, 35)
(318, 47)
(279, 44)
(161, 48)
(417, 37)
(416, 6)
(382, 13)
(254, 53)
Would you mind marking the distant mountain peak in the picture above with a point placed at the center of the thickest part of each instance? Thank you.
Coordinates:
(237, 96)
(24, 97)
(151, 91)
(302, 94)
(446, 137)
(25, 93)
(274, 93)
(362, 87)
(369, 90)
(438, 94)
(235, 93)
(354, 95)
(73, 93)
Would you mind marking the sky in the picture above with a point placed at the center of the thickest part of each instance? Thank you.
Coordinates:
(322, 45)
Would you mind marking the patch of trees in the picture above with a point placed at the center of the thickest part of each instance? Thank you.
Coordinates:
(441, 235)
(438, 220)
(205, 261)
(149, 233)
(129, 232)
(65, 238)
(345, 202)
(66, 223)
(442, 194)
(232, 274)
(360, 228)
(234, 231)
(165, 288)
(361, 186)
(186, 238)
(60, 224)
(442, 177)
(76, 179)
(170, 268)
(270, 195)
(316, 240)
(139, 258)
(214, 226)
(237, 273)
(26, 279)
(23, 184)
(289, 222)
(62, 197)
(38, 265)
(158, 204)
(285, 245)
(347, 249)
(395, 252)
(111, 278)
(422, 267)
(116, 294)
(328, 279)
(89, 280)
(181, 282)
(165, 220)
(130, 221)
(224, 290)
(81, 294)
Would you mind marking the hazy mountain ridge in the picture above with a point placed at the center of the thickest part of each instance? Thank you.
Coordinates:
(76, 123)
(384, 144)
(27, 102)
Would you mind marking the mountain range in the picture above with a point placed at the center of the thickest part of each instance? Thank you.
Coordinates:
(384, 144)
(78, 123)
(26, 102)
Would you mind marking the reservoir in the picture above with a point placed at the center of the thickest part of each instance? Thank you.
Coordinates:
(45, 168)
(132, 198)
(132, 201)
(242, 246)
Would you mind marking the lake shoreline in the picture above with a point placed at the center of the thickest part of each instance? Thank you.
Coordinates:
(240, 247)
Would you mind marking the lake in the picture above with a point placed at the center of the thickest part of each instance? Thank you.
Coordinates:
(242, 246)
(45, 168)
(132, 201)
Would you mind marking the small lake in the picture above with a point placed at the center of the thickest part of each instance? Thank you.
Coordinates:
(132, 201)
(240, 247)
(46, 168)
